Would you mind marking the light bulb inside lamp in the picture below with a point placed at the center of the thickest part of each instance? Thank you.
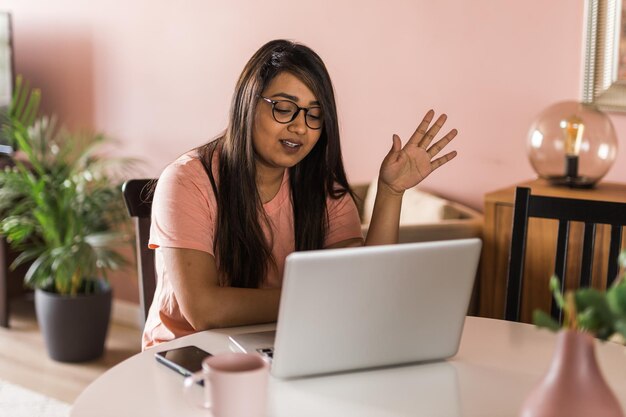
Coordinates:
(573, 129)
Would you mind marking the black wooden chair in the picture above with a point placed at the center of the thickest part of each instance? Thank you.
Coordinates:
(565, 210)
(138, 198)
(11, 281)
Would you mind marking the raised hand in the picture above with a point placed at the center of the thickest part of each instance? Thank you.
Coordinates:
(405, 167)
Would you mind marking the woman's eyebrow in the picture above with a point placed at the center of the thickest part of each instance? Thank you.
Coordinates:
(294, 98)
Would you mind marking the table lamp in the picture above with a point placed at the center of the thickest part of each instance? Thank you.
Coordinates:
(572, 144)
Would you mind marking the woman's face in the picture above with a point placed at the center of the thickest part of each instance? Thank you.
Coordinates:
(279, 145)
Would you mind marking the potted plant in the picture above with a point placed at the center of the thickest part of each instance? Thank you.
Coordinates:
(63, 210)
(574, 385)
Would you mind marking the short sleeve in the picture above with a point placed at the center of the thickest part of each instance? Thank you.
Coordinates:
(343, 220)
(183, 208)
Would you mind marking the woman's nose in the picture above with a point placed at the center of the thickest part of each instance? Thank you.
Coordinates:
(298, 125)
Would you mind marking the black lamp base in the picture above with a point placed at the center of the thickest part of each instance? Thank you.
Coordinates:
(571, 182)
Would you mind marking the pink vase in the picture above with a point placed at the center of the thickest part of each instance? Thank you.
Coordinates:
(573, 386)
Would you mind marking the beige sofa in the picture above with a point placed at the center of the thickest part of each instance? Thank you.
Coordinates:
(457, 222)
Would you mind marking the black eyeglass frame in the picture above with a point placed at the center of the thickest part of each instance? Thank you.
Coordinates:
(295, 114)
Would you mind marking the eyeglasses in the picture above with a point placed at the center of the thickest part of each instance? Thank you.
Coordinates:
(285, 111)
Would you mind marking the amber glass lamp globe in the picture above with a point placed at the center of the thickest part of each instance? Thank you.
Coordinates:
(572, 144)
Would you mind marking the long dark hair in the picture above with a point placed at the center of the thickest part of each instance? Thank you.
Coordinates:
(242, 251)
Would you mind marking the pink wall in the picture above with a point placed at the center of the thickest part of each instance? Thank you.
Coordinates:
(158, 75)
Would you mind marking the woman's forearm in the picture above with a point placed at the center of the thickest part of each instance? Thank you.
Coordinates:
(206, 304)
(228, 307)
(384, 226)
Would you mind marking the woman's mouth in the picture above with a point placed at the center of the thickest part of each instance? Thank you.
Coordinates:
(289, 144)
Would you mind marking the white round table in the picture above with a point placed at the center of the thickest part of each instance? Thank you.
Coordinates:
(497, 365)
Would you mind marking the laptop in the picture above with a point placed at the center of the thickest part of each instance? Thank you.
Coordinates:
(357, 308)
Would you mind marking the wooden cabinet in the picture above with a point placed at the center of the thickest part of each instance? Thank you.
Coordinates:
(540, 247)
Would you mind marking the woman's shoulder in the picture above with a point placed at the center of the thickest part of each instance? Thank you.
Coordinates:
(187, 167)
(184, 178)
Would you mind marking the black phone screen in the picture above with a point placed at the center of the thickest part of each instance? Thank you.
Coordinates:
(185, 360)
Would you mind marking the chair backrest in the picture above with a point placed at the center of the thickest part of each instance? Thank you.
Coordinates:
(138, 199)
(565, 210)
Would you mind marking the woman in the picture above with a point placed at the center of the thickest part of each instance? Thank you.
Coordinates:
(227, 214)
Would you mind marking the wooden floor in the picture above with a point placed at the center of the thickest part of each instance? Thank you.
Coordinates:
(23, 358)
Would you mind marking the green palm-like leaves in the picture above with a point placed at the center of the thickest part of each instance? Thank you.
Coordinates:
(60, 204)
(602, 313)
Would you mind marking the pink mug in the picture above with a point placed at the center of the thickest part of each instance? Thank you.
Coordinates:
(235, 384)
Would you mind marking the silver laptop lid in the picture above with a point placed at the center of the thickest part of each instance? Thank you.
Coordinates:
(355, 308)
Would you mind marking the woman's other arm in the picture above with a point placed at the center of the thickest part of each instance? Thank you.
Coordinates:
(204, 303)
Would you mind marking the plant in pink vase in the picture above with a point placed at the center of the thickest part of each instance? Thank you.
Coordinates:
(574, 385)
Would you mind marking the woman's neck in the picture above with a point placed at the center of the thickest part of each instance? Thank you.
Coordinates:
(268, 183)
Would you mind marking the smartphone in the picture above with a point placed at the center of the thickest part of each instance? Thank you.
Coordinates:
(184, 360)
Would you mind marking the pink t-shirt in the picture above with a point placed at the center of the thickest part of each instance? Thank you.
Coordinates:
(183, 216)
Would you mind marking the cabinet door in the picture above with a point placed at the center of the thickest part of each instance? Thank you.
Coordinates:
(494, 261)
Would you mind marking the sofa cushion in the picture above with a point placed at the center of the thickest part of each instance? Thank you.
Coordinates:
(418, 207)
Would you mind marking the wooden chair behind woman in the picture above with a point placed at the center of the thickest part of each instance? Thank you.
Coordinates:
(138, 199)
(565, 210)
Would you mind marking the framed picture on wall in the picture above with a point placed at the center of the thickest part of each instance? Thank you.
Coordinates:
(604, 82)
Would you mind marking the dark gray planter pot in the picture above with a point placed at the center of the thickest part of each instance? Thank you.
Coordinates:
(74, 328)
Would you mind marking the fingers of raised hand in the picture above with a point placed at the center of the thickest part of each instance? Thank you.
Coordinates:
(432, 132)
(440, 144)
(422, 128)
(442, 160)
